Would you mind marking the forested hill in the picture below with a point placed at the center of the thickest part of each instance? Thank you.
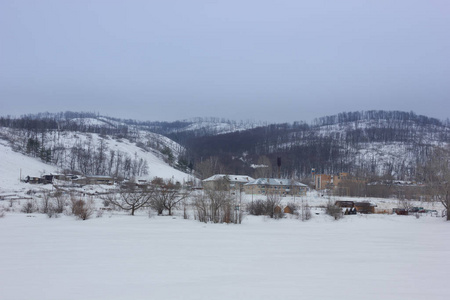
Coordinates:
(372, 142)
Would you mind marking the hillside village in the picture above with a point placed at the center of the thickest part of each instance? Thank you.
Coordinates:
(97, 156)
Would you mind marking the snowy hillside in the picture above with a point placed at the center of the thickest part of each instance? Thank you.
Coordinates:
(13, 164)
(92, 153)
(216, 126)
(373, 149)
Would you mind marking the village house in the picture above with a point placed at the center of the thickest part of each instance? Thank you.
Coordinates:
(230, 182)
(284, 187)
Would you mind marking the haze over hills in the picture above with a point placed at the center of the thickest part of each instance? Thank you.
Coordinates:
(372, 143)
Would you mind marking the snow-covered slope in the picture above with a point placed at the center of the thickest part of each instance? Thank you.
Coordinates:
(68, 148)
(13, 164)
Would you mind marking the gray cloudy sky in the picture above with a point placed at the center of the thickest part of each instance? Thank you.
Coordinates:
(263, 60)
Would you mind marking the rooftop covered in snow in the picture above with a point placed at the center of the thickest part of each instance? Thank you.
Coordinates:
(276, 181)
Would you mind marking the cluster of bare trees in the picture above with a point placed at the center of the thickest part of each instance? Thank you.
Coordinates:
(270, 206)
(88, 156)
(218, 204)
(214, 206)
(92, 159)
(159, 195)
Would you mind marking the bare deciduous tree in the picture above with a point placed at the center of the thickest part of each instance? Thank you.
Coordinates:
(130, 198)
(209, 167)
(436, 175)
(273, 201)
(166, 194)
(333, 210)
(214, 204)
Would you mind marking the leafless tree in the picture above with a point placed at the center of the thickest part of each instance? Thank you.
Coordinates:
(130, 198)
(436, 176)
(333, 210)
(209, 167)
(273, 201)
(218, 200)
(214, 204)
(166, 194)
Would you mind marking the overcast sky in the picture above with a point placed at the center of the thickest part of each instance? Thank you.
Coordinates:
(278, 61)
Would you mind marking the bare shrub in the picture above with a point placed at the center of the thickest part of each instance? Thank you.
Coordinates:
(60, 202)
(83, 210)
(257, 208)
(305, 211)
(29, 207)
(99, 213)
(2, 212)
(272, 203)
(269, 207)
(52, 210)
(106, 202)
(214, 205)
(185, 213)
(45, 202)
(333, 210)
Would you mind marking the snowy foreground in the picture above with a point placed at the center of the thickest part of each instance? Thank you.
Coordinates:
(123, 257)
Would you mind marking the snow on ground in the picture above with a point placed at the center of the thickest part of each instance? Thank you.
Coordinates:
(118, 256)
(10, 165)
(123, 257)
(156, 166)
(11, 162)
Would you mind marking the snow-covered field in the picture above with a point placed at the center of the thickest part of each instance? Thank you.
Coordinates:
(118, 256)
(124, 257)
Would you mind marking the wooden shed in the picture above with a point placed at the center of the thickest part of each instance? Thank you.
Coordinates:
(277, 209)
(365, 207)
(288, 210)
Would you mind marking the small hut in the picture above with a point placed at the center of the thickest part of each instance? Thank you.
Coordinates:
(365, 207)
(288, 210)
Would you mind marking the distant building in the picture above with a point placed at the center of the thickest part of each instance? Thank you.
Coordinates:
(326, 181)
(284, 187)
(231, 182)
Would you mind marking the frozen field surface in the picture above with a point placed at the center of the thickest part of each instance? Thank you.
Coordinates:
(125, 257)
